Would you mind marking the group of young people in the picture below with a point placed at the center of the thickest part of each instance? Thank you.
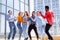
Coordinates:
(23, 20)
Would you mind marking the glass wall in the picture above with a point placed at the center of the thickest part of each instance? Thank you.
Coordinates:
(2, 26)
(54, 5)
(15, 6)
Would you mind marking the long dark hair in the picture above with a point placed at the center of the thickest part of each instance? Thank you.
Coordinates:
(26, 13)
(33, 13)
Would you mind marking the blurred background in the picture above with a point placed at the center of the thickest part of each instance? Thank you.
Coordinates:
(28, 5)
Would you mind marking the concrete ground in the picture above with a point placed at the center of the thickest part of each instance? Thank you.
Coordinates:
(34, 38)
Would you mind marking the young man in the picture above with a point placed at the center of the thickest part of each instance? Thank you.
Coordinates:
(12, 27)
(49, 15)
(32, 26)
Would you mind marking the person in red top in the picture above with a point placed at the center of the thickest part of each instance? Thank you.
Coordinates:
(49, 15)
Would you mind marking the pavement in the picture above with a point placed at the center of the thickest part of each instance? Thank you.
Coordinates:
(34, 38)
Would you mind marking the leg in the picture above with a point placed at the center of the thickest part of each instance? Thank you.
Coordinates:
(10, 25)
(14, 31)
(20, 32)
(25, 31)
(20, 29)
(29, 30)
(35, 29)
(47, 31)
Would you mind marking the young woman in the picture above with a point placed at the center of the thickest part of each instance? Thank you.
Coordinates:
(24, 25)
(40, 23)
(32, 26)
(19, 21)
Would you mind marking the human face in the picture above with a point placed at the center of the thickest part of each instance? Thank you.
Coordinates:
(46, 9)
(10, 12)
(38, 13)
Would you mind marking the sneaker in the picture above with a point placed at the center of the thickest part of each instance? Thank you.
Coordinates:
(49, 39)
(26, 38)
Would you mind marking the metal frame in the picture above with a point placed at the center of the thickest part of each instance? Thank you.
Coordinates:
(5, 24)
(13, 11)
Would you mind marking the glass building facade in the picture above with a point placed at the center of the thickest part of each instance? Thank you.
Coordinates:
(29, 5)
(54, 5)
(15, 6)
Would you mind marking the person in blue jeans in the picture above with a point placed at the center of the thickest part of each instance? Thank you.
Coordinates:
(10, 18)
(24, 25)
(20, 29)
(40, 23)
(19, 21)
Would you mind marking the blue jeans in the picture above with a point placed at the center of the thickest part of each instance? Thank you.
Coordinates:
(20, 29)
(25, 32)
(12, 30)
(41, 30)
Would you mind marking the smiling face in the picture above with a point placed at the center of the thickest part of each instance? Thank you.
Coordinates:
(10, 12)
(33, 13)
(26, 13)
(38, 13)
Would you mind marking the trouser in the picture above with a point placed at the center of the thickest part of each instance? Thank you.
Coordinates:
(32, 26)
(48, 26)
(12, 30)
(25, 34)
(41, 30)
(20, 29)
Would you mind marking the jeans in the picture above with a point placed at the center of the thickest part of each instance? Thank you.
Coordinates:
(25, 34)
(20, 29)
(48, 26)
(12, 30)
(32, 26)
(41, 30)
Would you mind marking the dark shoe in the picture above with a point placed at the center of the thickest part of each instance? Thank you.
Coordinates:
(26, 38)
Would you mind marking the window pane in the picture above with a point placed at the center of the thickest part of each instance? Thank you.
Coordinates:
(22, 0)
(10, 3)
(22, 7)
(2, 8)
(26, 8)
(3, 1)
(9, 9)
(31, 6)
(15, 13)
(2, 24)
(26, 1)
(16, 4)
